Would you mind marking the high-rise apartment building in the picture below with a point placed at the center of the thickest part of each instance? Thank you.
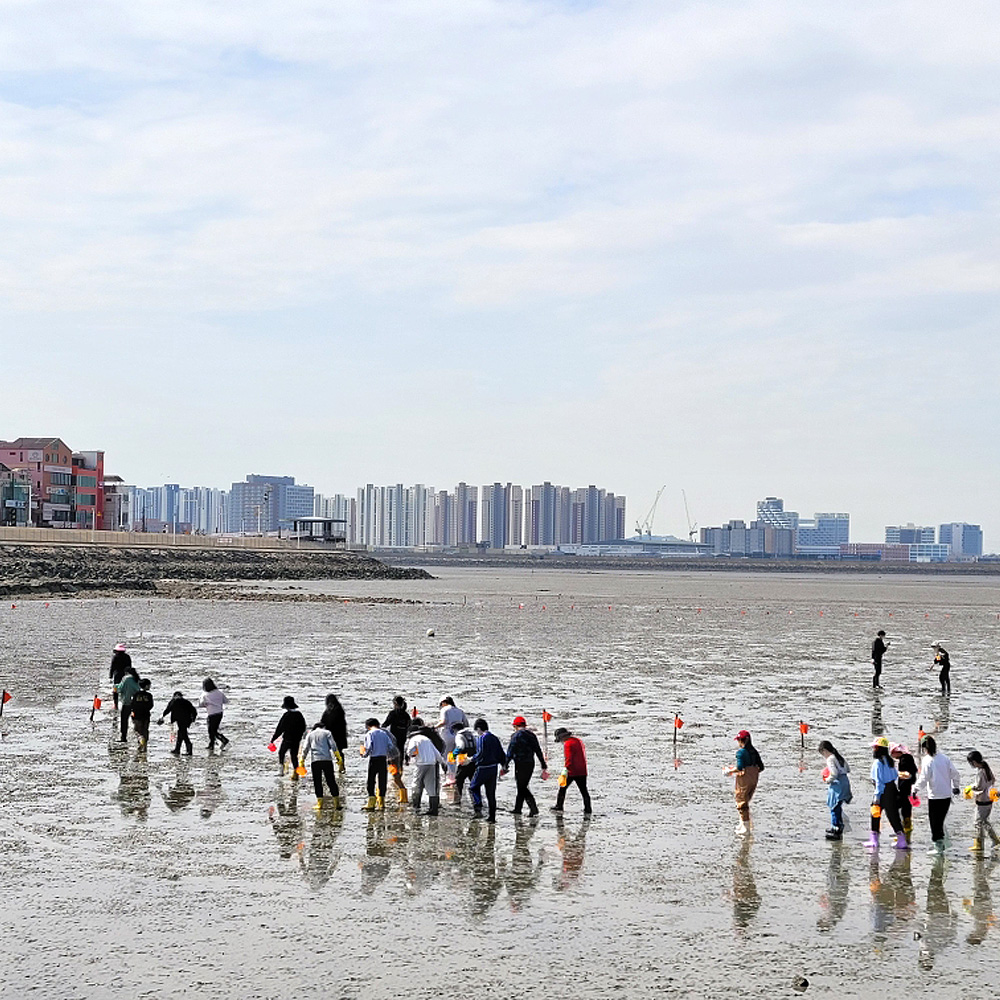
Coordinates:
(264, 504)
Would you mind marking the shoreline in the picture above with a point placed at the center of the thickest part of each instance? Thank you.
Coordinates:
(108, 571)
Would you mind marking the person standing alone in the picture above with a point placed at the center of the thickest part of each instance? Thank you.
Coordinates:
(943, 660)
(214, 702)
(879, 646)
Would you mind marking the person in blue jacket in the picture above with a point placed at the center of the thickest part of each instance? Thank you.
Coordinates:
(490, 757)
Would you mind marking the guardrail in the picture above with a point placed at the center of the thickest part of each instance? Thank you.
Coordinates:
(86, 536)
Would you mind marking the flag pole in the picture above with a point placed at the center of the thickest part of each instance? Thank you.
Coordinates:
(3, 700)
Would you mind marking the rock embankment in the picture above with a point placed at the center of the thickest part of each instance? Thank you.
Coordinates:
(55, 569)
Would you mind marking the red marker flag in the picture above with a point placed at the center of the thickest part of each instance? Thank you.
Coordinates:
(547, 716)
(7, 696)
(678, 722)
(97, 704)
(803, 728)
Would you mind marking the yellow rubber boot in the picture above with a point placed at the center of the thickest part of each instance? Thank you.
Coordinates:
(369, 806)
(379, 803)
(977, 845)
(335, 802)
(404, 796)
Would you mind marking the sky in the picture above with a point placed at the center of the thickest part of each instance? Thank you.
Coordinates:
(737, 248)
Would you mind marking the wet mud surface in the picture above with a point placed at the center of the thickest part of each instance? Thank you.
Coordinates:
(150, 876)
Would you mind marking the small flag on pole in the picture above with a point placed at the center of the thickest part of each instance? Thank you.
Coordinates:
(546, 716)
(678, 722)
(7, 696)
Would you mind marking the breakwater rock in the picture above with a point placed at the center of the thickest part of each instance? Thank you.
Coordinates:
(69, 569)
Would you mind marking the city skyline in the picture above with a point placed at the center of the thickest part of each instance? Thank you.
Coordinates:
(740, 249)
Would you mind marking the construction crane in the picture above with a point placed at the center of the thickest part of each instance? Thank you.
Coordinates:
(645, 526)
(692, 528)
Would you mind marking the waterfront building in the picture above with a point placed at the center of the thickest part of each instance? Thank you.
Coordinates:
(117, 504)
(909, 534)
(771, 512)
(875, 552)
(823, 535)
(929, 552)
(15, 491)
(964, 540)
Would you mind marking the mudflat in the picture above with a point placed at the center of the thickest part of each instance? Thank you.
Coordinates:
(139, 874)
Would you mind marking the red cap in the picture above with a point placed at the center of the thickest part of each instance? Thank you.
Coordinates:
(519, 721)
(742, 735)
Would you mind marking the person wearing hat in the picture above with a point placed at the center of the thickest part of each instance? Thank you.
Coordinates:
(943, 660)
(574, 769)
(746, 771)
(291, 728)
(886, 796)
(450, 714)
(121, 664)
(522, 749)
(879, 646)
(906, 771)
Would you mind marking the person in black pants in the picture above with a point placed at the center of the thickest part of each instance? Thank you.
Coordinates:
(905, 764)
(334, 720)
(398, 724)
(879, 646)
(121, 664)
(943, 660)
(522, 750)
(489, 758)
(291, 728)
(182, 714)
(465, 745)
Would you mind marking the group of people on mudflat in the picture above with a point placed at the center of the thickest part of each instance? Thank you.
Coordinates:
(897, 779)
(447, 754)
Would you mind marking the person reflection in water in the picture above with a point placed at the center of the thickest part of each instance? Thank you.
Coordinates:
(833, 902)
(893, 899)
(523, 872)
(572, 849)
(375, 866)
(181, 794)
(981, 906)
(210, 797)
(133, 788)
(940, 921)
(486, 882)
(746, 898)
(286, 821)
(320, 862)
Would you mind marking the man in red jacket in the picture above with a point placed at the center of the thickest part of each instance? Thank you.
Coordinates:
(576, 769)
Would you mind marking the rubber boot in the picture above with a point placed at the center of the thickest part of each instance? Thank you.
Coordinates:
(993, 834)
(937, 848)
(834, 833)
(872, 844)
(902, 844)
(432, 805)
(379, 803)
(369, 806)
(335, 802)
(977, 845)
(908, 828)
(340, 761)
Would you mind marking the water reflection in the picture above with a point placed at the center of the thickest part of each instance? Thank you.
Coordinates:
(211, 795)
(572, 846)
(981, 904)
(319, 859)
(376, 864)
(286, 821)
(942, 714)
(833, 902)
(133, 785)
(940, 920)
(878, 726)
(746, 898)
(524, 871)
(181, 793)
(893, 899)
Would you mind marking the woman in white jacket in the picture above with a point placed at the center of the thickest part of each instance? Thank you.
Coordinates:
(938, 780)
(213, 701)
